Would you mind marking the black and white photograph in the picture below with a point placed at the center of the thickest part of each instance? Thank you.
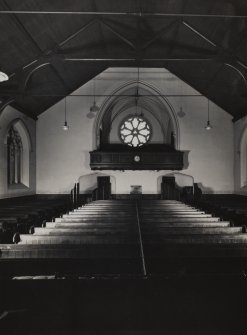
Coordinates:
(123, 167)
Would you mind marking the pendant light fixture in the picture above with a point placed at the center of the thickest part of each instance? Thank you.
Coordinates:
(181, 113)
(94, 108)
(208, 125)
(137, 93)
(3, 76)
(65, 126)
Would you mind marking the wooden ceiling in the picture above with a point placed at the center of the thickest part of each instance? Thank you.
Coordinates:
(50, 48)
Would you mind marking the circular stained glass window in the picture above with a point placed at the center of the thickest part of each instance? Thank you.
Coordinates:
(135, 131)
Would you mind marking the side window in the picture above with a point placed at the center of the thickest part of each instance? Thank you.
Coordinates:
(243, 160)
(14, 156)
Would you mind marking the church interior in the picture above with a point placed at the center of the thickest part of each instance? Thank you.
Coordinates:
(123, 167)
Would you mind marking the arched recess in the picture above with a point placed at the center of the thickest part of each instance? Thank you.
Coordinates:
(153, 95)
(181, 179)
(19, 125)
(243, 159)
(88, 182)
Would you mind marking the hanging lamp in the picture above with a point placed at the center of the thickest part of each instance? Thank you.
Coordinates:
(65, 125)
(208, 125)
(137, 93)
(3, 76)
(181, 113)
(94, 108)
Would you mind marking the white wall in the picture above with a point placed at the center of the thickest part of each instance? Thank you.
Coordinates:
(8, 115)
(62, 157)
(240, 154)
(89, 182)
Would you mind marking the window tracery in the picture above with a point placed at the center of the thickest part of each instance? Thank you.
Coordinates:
(14, 159)
(135, 131)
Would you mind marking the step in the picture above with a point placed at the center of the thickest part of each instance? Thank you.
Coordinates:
(199, 239)
(180, 219)
(90, 224)
(141, 205)
(172, 211)
(176, 215)
(75, 239)
(96, 220)
(132, 205)
(118, 252)
(81, 231)
(161, 225)
(192, 231)
(105, 214)
(69, 254)
(89, 211)
(108, 206)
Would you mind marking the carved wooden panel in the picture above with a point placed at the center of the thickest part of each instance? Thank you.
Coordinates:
(102, 160)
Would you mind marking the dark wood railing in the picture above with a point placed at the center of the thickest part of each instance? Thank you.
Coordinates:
(75, 196)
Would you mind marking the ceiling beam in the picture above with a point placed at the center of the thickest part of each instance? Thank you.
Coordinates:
(225, 55)
(128, 14)
(22, 28)
(175, 35)
(72, 36)
(54, 49)
(240, 74)
(159, 33)
(195, 30)
(32, 94)
(192, 59)
(120, 36)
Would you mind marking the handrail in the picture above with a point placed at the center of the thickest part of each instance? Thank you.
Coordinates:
(140, 241)
(75, 196)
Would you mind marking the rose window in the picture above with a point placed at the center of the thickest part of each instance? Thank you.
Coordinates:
(135, 131)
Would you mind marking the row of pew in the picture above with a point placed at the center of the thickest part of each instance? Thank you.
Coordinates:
(22, 214)
(112, 237)
(230, 207)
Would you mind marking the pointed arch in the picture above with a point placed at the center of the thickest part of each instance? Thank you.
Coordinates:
(18, 162)
(111, 100)
(243, 159)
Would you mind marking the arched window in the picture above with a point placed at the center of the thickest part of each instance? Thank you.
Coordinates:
(243, 160)
(135, 131)
(14, 156)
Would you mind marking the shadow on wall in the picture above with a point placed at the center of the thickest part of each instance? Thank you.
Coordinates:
(207, 190)
(243, 190)
(85, 160)
(181, 179)
(88, 182)
(186, 159)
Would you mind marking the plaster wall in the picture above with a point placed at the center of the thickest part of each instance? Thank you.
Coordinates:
(240, 155)
(63, 157)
